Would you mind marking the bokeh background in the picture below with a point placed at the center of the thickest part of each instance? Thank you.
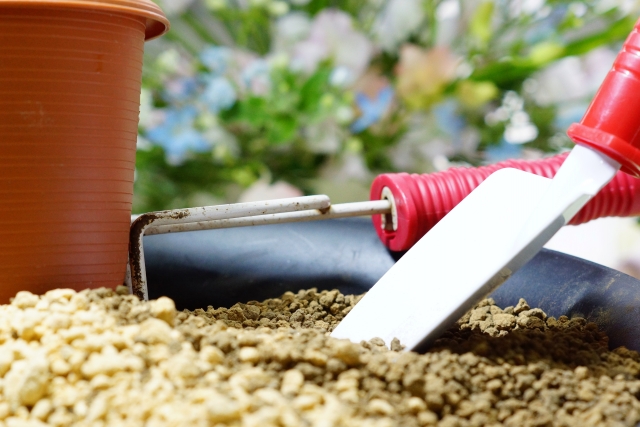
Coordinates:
(255, 99)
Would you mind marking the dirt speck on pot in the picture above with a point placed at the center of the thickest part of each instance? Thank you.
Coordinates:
(105, 358)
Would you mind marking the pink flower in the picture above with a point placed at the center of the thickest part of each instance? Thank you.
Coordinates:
(423, 74)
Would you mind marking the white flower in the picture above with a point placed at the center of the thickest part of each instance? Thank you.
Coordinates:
(397, 22)
(146, 107)
(333, 37)
(262, 190)
(172, 62)
(573, 78)
(143, 144)
(324, 138)
(278, 61)
(519, 128)
(344, 114)
(289, 30)
(344, 176)
(278, 8)
(150, 117)
(224, 143)
(626, 6)
(421, 143)
(341, 77)
(448, 9)
(525, 7)
(520, 133)
(174, 7)
(578, 8)
(447, 14)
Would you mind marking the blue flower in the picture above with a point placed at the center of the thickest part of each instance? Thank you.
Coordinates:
(177, 135)
(180, 89)
(448, 119)
(256, 76)
(371, 110)
(503, 151)
(219, 94)
(568, 114)
(216, 59)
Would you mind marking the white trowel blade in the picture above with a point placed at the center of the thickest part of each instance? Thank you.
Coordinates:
(495, 230)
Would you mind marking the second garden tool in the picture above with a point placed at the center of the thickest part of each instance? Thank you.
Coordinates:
(421, 201)
(504, 222)
(404, 207)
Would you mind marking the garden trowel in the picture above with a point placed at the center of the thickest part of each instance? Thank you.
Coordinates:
(504, 222)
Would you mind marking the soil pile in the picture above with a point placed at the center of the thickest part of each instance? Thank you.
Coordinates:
(104, 358)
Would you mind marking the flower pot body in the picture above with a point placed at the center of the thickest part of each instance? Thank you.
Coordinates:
(70, 80)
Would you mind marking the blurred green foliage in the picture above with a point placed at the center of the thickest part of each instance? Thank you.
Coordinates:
(314, 91)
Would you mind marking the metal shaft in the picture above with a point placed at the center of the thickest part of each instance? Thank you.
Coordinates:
(297, 209)
(344, 210)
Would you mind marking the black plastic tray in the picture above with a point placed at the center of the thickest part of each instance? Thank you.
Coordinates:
(222, 267)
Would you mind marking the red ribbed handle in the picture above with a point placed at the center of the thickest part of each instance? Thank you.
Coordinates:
(423, 200)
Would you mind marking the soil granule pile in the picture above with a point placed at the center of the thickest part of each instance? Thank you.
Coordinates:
(102, 358)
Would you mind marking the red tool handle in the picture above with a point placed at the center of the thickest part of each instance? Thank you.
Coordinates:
(423, 200)
(611, 124)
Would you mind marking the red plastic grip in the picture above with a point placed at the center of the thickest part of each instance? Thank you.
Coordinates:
(423, 200)
(611, 124)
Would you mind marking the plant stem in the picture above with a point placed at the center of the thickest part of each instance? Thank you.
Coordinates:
(432, 22)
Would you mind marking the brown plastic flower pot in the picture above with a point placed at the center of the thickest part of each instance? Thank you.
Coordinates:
(70, 78)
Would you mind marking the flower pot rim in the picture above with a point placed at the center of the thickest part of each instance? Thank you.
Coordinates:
(157, 23)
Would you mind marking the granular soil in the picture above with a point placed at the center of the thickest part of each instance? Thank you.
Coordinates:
(102, 358)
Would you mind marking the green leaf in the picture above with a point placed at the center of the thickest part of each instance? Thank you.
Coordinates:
(615, 32)
(545, 52)
(480, 25)
(282, 130)
(254, 110)
(313, 89)
(507, 73)
(475, 94)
